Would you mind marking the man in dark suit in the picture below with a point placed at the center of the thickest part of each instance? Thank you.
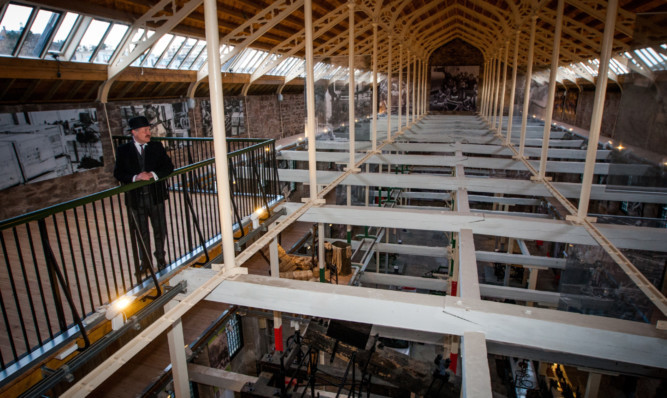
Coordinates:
(144, 160)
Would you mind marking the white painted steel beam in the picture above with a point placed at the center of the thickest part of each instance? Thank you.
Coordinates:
(218, 377)
(368, 278)
(466, 161)
(488, 185)
(625, 237)
(476, 376)
(539, 328)
(468, 277)
(520, 259)
(478, 149)
(514, 293)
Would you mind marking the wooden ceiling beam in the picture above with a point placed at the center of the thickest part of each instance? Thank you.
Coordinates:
(22, 68)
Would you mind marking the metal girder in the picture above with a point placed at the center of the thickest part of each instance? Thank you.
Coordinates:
(253, 29)
(296, 42)
(466, 148)
(369, 277)
(625, 237)
(476, 381)
(520, 259)
(336, 43)
(131, 50)
(468, 161)
(468, 278)
(519, 294)
(539, 328)
(489, 185)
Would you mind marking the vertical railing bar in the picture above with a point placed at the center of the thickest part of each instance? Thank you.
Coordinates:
(84, 262)
(60, 247)
(127, 231)
(51, 263)
(173, 242)
(92, 259)
(7, 328)
(76, 273)
(112, 209)
(16, 300)
(101, 252)
(51, 268)
(39, 284)
(111, 256)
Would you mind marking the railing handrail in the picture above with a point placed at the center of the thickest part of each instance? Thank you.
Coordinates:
(48, 211)
(129, 137)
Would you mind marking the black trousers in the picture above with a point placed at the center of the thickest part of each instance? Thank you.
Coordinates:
(144, 211)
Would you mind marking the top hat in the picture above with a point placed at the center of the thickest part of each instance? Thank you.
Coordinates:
(138, 122)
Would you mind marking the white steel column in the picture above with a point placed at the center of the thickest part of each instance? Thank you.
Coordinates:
(274, 263)
(219, 139)
(515, 66)
(501, 108)
(483, 89)
(350, 106)
(598, 108)
(408, 89)
(400, 84)
(389, 89)
(374, 130)
(179, 363)
(526, 92)
(496, 91)
(593, 384)
(350, 91)
(549, 111)
(310, 98)
(415, 73)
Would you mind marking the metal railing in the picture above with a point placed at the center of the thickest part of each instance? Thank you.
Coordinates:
(60, 264)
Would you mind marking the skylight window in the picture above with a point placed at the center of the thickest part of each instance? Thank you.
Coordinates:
(63, 32)
(157, 50)
(12, 26)
(171, 51)
(283, 68)
(91, 40)
(248, 61)
(181, 53)
(192, 55)
(200, 60)
(110, 44)
(39, 34)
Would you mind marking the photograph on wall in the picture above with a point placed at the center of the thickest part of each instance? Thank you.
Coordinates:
(570, 107)
(37, 146)
(167, 120)
(332, 97)
(454, 88)
(234, 117)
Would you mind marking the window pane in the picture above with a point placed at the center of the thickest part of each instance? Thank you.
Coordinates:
(63, 31)
(170, 52)
(91, 39)
(110, 44)
(39, 34)
(12, 26)
(182, 53)
(200, 61)
(193, 55)
(157, 50)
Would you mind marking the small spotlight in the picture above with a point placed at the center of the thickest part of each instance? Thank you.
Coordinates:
(620, 147)
(122, 303)
(300, 138)
(259, 211)
(571, 129)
